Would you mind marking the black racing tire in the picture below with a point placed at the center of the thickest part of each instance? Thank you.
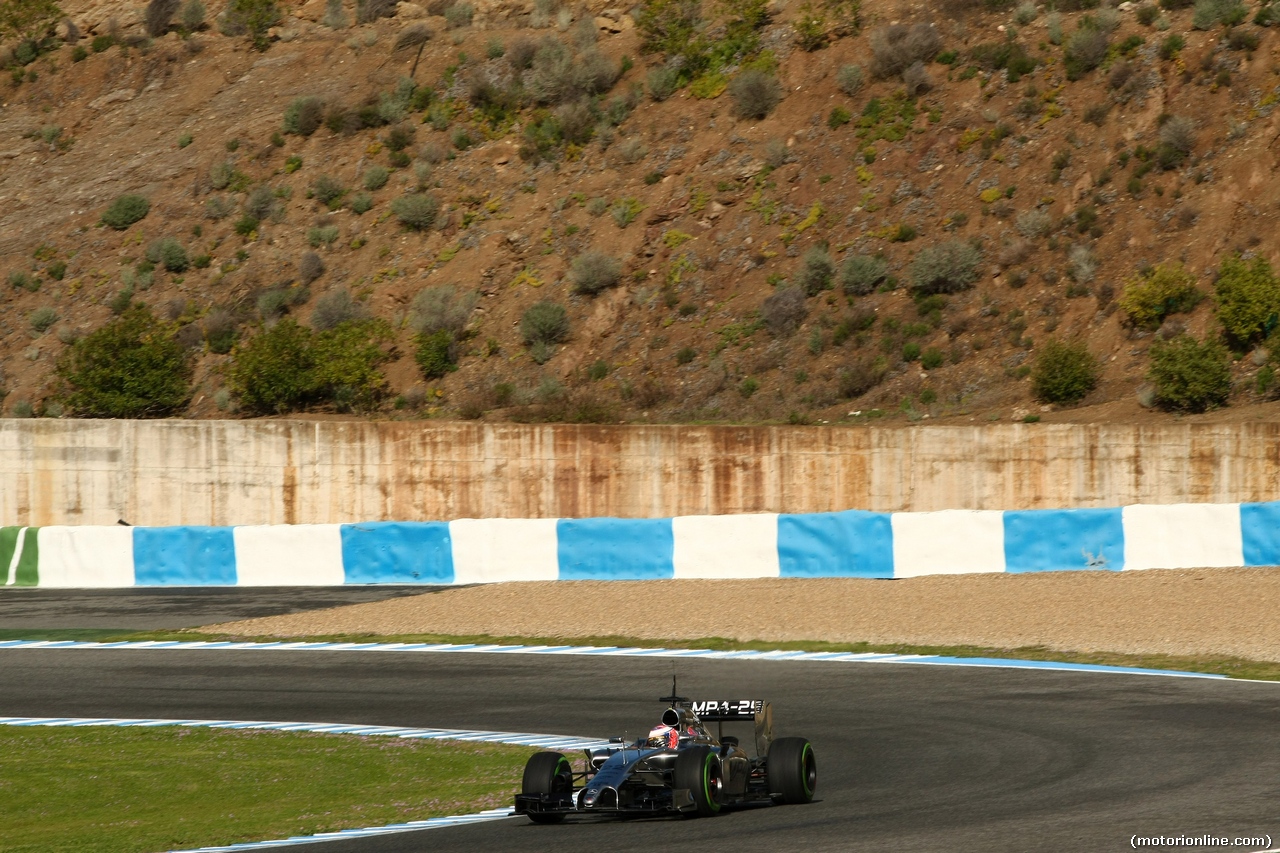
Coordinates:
(698, 769)
(547, 773)
(791, 770)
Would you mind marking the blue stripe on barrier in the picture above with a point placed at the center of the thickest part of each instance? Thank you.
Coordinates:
(853, 544)
(615, 548)
(397, 552)
(1055, 540)
(184, 556)
(1260, 533)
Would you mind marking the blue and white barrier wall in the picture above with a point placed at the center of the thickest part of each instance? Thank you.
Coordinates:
(467, 551)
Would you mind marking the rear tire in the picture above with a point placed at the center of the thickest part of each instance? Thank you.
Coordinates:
(698, 769)
(547, 773)
(791, 770)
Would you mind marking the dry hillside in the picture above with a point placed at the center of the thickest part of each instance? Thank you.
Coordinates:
(707, 232)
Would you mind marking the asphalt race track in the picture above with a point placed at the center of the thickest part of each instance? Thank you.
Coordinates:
(911, 758)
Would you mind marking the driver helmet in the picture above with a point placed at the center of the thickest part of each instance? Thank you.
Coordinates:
(664, 736)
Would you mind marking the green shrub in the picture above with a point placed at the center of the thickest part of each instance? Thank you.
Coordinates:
(625, 210)
(1190, 376)
(1177, 137)
(946, 268)
(289, 368)
(261, 203)
(1085, 51)
(1248, 300)
(24, 280)
(816, 271)
(416, 211)
(862, 274)
(220, 331)
(56, 270)
(544, 322)
(328, 191)
(459, 15)
(130, 368)
(860, 377)
(1064, 373)
(1209, 13)
(304, 116)
(594, 271)
(322, 235)
(435, 354)
(441, 307)
(253, 18)
(169, 253)
(849, 79)
(124, 211)
(662, 83)
(784, 310)
(42, 318)
(931, 359)
(1163, 290)
(335, 308)
(361, 203)
(754, 94)
(247, 226)
(191, 17)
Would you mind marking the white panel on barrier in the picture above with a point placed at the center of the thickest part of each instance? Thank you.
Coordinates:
(725, 546)
(85, 556)
(1182, 536)
(487, 550)
(948, 542)
(289, 555)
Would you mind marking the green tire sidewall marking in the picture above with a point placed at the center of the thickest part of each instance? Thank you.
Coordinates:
(804, 771)
(562, 763)
(712, 803)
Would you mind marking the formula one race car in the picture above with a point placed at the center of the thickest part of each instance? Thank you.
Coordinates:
(680, 767)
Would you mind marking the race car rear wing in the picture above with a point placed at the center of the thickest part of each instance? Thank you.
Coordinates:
(727, 711)
(739, 711)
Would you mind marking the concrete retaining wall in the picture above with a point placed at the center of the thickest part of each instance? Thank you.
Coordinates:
(843, 544)
(157, 473)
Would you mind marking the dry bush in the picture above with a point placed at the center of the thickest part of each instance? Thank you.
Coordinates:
(784, 310)
(754, 94)
(368, 11)
(335, 308)
(917, 80)
(310, 267)
(896, 47)
(158, 15)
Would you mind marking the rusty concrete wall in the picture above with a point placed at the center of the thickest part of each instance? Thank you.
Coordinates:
(270, 472)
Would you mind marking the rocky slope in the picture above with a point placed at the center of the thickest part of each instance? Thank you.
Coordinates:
(1045, 174)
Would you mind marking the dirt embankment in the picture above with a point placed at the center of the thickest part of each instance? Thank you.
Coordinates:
(1218, 612)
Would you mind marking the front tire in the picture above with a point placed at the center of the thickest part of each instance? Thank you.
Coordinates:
(791, 770)
(698, 769)
(547, 773)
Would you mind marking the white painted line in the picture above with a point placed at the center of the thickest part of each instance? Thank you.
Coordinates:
(775, 655)
(516, 738)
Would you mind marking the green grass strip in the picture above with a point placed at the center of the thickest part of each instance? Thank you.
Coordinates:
(131, 790)
(1228, 666)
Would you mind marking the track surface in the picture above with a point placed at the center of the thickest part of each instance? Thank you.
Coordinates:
(159, 608)
(910, 758)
